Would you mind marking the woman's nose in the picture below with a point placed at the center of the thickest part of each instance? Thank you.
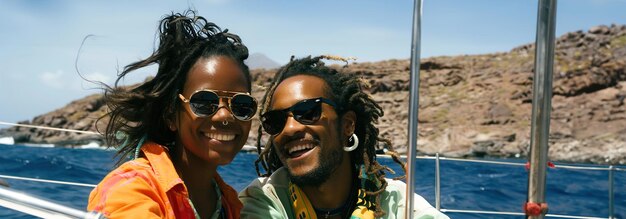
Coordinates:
(223, 112)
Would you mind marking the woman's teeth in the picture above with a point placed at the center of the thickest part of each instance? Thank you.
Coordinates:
(300, 147)
(220, 137)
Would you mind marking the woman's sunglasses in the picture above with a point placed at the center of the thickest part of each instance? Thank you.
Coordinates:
(205, 103)
(305, 112)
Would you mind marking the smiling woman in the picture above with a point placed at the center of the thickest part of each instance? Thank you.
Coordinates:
(179, 126)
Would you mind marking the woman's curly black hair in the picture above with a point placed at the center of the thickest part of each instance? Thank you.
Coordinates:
(347, 91)
(143, 111)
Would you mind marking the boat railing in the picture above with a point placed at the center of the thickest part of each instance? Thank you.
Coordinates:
(39, 207)
(610, 168)
(48, 128)
(47, 181)
(610, 181)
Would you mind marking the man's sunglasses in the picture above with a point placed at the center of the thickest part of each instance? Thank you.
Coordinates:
(305, 112)
(205, 103)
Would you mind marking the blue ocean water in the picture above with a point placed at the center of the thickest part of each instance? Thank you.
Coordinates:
(468, 186)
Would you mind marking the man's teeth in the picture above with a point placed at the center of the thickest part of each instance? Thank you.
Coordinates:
(220, 137)
(300, 147)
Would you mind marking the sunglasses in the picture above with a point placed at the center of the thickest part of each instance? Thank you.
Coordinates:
(306, 112)
(205, 103)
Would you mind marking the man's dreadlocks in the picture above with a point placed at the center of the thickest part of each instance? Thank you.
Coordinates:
(347, 92)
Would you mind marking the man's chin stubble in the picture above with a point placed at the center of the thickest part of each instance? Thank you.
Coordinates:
(319, 174)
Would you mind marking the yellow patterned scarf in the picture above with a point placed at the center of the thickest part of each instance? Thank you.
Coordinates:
(364, 203)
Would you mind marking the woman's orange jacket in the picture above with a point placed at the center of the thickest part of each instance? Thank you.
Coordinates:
(149, 187)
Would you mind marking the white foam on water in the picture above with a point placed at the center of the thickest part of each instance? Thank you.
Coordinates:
(7, 140)
(37, 145)
(91, 145)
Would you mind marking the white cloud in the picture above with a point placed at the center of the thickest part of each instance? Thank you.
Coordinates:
(91, 81)
(98, 77)
(53, 79)
(61, 81)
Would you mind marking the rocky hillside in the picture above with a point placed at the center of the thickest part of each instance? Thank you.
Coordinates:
(471, 105)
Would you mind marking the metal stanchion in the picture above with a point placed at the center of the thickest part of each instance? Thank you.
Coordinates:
(611, 192)
(413, 106)
(541, 106)
(437, 183)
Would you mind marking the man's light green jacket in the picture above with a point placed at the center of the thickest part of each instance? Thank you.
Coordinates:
(268, 197)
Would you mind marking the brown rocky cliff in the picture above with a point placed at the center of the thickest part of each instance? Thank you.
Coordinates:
(78, 115)
(471, 105)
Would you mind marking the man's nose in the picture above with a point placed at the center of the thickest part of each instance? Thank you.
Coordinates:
(292, 126)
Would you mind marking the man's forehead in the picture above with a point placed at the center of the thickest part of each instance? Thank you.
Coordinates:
(297, 88)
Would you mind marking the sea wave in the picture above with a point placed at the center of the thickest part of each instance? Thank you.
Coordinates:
(464, 185)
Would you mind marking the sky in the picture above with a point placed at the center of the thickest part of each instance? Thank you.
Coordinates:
(40, 40)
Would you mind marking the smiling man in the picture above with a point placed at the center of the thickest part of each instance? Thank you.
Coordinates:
(320, 158)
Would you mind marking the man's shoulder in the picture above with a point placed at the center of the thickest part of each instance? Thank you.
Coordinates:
(278, 179)
(394, 198)
(397, 190)
(267, 197)
(395, 185)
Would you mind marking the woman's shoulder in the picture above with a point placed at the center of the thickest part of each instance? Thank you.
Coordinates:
(135, 165)
(139, 168)
(132, 182)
